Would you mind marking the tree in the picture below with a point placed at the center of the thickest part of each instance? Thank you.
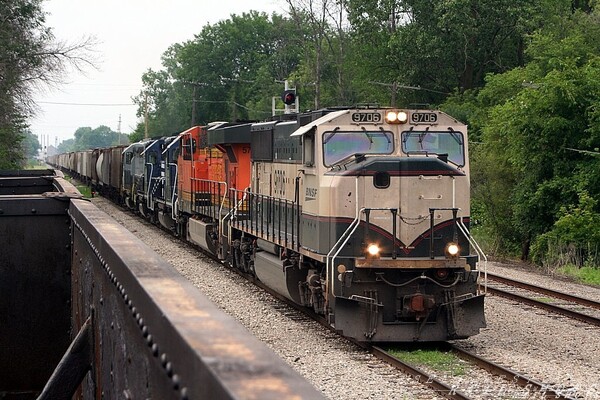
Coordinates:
(66, 146)
(229, 71)
(29, 57)
(323, 45)
(164, 104)
(538, 125)
(31, 145)
(430, 49)
(88, 138)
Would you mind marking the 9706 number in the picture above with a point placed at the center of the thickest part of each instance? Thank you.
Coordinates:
(423, 118)
(366, 117)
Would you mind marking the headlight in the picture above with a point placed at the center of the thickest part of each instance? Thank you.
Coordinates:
(373, 249)
(452, 250)
(396, 117)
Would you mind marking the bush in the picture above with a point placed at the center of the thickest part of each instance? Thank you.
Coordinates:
(574, 238)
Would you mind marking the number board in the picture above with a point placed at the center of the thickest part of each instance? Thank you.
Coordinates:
(423, 118)
(366, 117)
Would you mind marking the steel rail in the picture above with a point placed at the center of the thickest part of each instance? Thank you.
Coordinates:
(418, 375)
(550, 292)
(546, 306)
(508, 374)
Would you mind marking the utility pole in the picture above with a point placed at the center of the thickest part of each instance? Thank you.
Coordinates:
(119, 129)
(146, 115)
(194, 100)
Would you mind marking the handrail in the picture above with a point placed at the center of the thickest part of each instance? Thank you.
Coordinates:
(357, 222)
(174, 203)
(148, 200)
(222, 201)
(233, 211)
(272, 223)
(478, 250)
(339, 245)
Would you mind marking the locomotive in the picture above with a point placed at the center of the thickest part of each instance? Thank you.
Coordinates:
(361, 214)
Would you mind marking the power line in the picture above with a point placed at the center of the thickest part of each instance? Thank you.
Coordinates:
(88, 104)
(588, 152)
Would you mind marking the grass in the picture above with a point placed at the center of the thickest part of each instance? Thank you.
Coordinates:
(437, 360)
(85, 190)
(543, 299)
(588, 275)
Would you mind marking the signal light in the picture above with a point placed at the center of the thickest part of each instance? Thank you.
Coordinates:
(289, 97)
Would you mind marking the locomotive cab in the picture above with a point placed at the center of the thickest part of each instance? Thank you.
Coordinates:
(133, 165)
(166, 196)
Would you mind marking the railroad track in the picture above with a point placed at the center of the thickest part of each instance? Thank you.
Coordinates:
(534, 386)
(567, 312)
(430, 379)
(419, 375)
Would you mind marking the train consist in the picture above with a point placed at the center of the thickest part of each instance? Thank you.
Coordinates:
(361, 214)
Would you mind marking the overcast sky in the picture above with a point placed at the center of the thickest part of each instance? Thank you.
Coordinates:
(131, 36)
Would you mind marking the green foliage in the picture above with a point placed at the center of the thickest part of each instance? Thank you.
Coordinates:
(229, 71)
(574, 238)
(534, 126)
(587, 275)
(85, 191)
(29, 58)
(30, 144)
(66, 146)
(435, 359)
(22, 37)
(441, 46)
(11, 155)
(17, 144)
(88, 138)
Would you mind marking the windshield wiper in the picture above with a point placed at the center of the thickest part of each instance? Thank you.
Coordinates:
(386, 136)
(337, 128)
(422, 137)
(454, 135)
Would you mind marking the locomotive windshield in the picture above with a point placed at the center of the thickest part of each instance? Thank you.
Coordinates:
(338, 145)
(429, 142)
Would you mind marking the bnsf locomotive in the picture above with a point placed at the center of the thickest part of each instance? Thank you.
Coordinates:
(361, 214)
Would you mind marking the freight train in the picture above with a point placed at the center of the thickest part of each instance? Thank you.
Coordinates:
(361, 214)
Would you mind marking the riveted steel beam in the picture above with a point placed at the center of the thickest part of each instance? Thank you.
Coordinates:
(156, 335)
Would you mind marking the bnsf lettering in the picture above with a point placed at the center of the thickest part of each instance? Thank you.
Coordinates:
(311, 193)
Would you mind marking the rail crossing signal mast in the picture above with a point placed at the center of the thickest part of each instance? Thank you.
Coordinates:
(290, 99)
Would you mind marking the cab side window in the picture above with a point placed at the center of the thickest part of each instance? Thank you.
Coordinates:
(309, 149)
